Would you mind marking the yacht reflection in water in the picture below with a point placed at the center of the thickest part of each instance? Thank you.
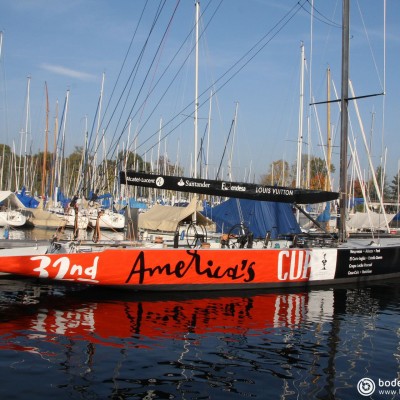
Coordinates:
(252, 344)
(156, 316)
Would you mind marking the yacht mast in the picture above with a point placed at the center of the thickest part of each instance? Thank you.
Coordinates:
(344, 100)
(196, 102)
(328, 131)
(44, 166)
(301, 108)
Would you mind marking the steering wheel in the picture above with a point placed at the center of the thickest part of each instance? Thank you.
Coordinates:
(238, 236)
(195, 234)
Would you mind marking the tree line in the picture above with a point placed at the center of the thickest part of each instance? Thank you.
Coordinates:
(314, 175)
(78, 173)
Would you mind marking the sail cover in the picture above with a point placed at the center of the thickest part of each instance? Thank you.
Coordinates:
(227, 188)
(368, 221)
(27, 200)
(10, 200)
(260, 217)
(167, 218)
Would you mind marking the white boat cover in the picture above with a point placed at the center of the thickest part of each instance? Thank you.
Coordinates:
(372, 220)
(10, 200)
(167, 218)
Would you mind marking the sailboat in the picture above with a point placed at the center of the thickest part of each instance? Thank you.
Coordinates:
(11, 214)
(238, 264)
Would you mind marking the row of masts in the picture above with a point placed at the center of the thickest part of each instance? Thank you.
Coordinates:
(58, 172)
(344, 142)
(22, 173)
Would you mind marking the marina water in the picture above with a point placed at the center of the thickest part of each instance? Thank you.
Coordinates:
(62, 341)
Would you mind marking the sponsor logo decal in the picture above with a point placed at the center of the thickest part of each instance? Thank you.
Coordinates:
(242, 271)
(194, 184)
(292, 265)
(160, 181)
(236, 188)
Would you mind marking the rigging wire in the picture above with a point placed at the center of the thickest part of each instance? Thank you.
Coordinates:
(132, 76)
(222, 81)
(119, 74)
(246, 58)
(322, 18)
(165, 92)
(382, 84)
(369, 44)
(142, 85)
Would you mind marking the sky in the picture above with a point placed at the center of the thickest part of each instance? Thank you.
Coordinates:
(124, 71)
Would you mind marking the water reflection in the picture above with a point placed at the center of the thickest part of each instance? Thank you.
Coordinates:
(154, 316)
(110, 344)
(12, 233)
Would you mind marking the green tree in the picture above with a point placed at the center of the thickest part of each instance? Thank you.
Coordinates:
(393, 191)
(279, 174)
(382, 184)
(7, 173)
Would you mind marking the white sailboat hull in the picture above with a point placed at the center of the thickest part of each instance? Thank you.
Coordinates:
(12, 218)
(109, 220)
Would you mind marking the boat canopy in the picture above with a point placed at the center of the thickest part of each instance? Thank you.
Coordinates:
(27, 200)
(370, 220)
(167, 218)
(10, 200)
(260, 217)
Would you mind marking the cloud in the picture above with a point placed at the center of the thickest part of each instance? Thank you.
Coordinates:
(60, 70)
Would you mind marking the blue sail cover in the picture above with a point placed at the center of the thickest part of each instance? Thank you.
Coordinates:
(396, 217)
(27, 200)
(259, 217)
(325, 216)
(64, 200)
(105, 199)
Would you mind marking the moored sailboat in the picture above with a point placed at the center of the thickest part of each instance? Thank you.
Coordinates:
(11, 210)
(12, 218)
(107, 218)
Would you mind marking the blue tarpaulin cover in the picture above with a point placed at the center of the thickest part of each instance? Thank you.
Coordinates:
(27, 200)
(259, 217)
(396, 217)
(325, 216)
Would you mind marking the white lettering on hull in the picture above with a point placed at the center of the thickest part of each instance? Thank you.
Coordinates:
(64, 267)
(299, 266)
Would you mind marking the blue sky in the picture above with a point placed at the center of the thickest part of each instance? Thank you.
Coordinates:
(70, 44)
